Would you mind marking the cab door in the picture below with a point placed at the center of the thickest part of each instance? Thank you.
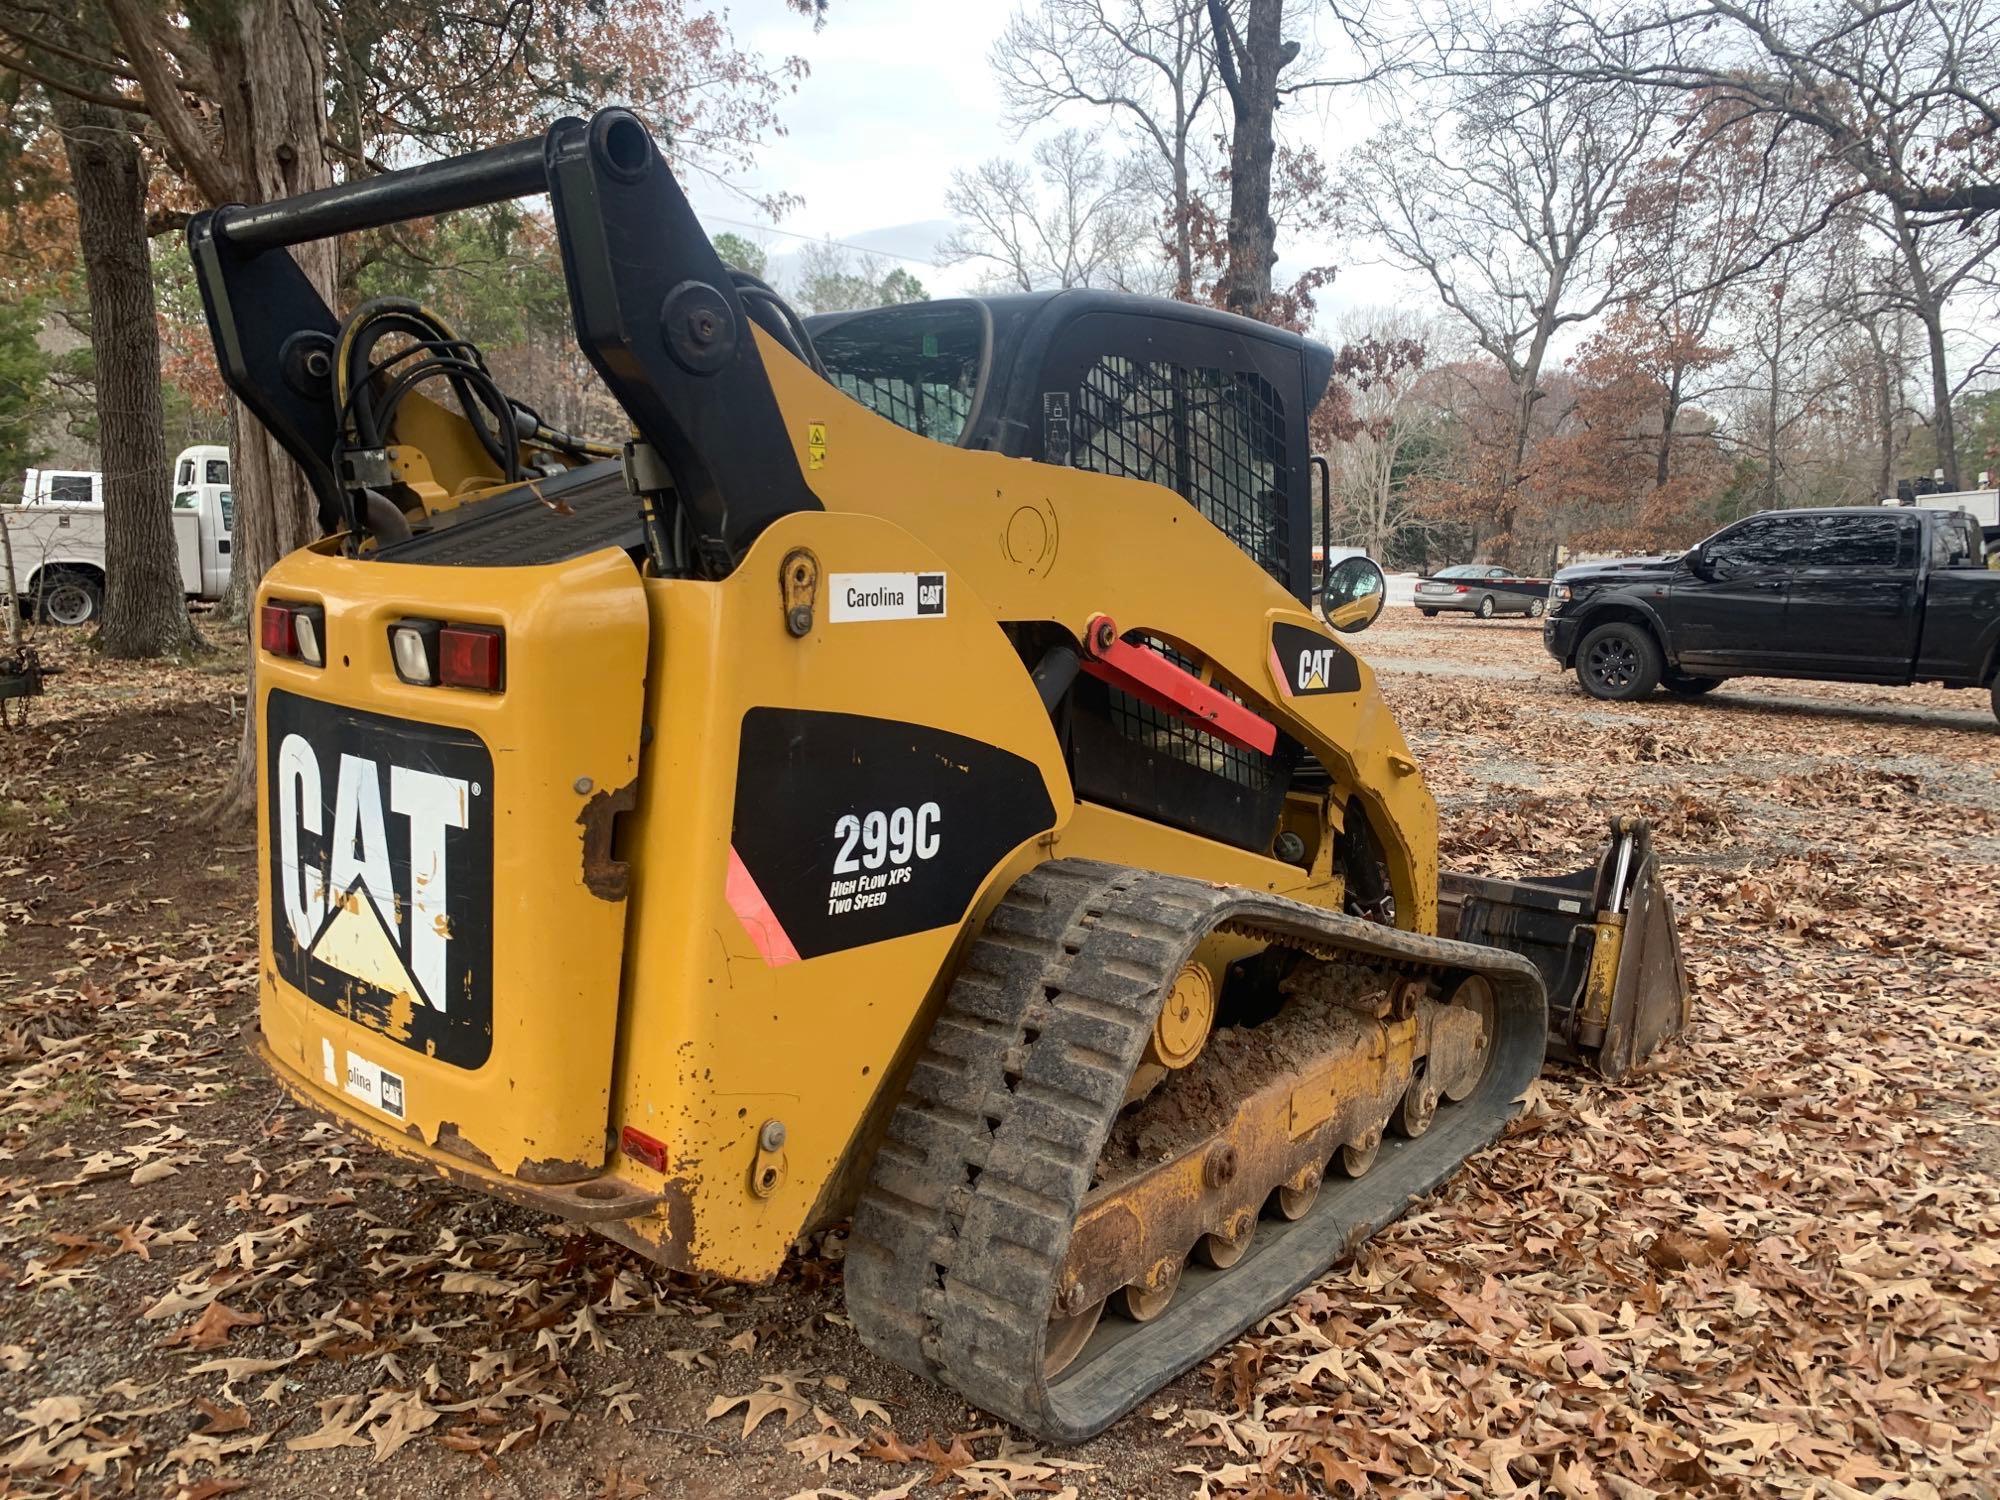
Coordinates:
(1728, 611)
(1853, 609)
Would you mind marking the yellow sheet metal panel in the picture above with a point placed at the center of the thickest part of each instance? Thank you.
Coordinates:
(435, 957)
(816, 815)
(1043, 542)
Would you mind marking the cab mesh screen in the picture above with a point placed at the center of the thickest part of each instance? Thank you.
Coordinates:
(1215, 437)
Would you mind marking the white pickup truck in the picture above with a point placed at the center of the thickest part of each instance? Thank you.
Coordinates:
(57, 535)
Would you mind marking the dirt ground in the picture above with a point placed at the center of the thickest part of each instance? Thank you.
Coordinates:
(1772, 1268)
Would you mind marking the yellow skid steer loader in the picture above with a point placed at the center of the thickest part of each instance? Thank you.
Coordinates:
(904, 775)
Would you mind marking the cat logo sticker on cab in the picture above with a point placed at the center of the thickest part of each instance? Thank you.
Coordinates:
(1307, 663)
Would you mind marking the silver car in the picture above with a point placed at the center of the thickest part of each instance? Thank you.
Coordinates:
(1484, 590)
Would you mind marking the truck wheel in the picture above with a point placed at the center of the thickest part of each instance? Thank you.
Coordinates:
(68, 598)
(1485, 610)
(1429, 614)
(1619, 662)
(1689, 687)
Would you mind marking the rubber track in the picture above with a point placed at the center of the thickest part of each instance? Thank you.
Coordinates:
(961, 1233)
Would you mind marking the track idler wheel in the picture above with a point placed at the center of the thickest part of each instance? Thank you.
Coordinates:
(1296, 1198)
(1223, 1250)
(1144, 1301)
(1356, 1157)
(1068, 1333)
(1419, 1105)
(1474, 994)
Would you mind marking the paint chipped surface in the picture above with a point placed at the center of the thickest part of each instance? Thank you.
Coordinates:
(604, 876)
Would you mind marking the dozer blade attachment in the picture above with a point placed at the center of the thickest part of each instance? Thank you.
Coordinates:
(1604, 941)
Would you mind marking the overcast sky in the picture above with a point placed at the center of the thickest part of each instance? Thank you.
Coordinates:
(901, 96)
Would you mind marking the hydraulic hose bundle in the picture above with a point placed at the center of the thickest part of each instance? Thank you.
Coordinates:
(368, 390)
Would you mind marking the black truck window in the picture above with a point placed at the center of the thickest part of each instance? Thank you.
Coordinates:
(1882, 543)
(1955, 542)
(1761, 545)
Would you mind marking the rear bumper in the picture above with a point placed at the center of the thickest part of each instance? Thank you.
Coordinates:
(1559, 637)
(591, 1200)
(1464, 602)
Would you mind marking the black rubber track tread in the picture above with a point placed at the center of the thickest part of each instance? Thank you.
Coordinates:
(960, 1235)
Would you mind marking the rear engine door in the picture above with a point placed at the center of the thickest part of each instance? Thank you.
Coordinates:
(444, 902)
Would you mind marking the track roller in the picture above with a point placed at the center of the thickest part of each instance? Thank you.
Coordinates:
(988, 1240)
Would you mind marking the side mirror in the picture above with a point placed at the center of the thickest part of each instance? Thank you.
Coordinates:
(1355, 594)
(1697, 561)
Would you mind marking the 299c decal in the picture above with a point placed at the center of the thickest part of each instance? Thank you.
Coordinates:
(891, 838)
(855, 829)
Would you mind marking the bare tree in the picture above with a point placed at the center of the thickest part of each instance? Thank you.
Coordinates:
(1249, 60)
(1376, 493)
(1508, 208)
(1940, 262)
(1148, 63)
(1905, 94)
(831, 277)
(1077, 219)
(1901, 98)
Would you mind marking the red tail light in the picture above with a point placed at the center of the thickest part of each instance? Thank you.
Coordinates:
(278, 636)
(1461, 589)
(430, 653)
(294, 630)
(472, 656)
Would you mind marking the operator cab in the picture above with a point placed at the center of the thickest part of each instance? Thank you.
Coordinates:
(1208, 404)
(1204, 403)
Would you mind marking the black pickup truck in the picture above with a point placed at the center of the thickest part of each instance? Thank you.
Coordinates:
(1861, 594)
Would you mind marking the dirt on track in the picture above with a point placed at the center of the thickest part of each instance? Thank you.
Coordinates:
(1769, 1269)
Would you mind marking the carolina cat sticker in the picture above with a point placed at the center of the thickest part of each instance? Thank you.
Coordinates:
(1307, 663)
(885, 596)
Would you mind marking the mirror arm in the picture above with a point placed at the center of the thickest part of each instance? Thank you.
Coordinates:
(1324, 470)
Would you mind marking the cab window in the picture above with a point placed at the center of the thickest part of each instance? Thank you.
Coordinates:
(1883, 543)
(1761, 545)
(218, 471)
(919, 365)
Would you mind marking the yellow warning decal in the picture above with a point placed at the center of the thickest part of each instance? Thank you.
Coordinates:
(815, 445)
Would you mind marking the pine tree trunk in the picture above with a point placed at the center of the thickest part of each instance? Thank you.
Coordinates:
(145, 609)
(270, 62)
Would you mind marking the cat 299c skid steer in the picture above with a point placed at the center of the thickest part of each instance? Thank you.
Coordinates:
(904, 775)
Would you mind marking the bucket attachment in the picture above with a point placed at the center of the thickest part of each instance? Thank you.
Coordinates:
(1604, 941)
